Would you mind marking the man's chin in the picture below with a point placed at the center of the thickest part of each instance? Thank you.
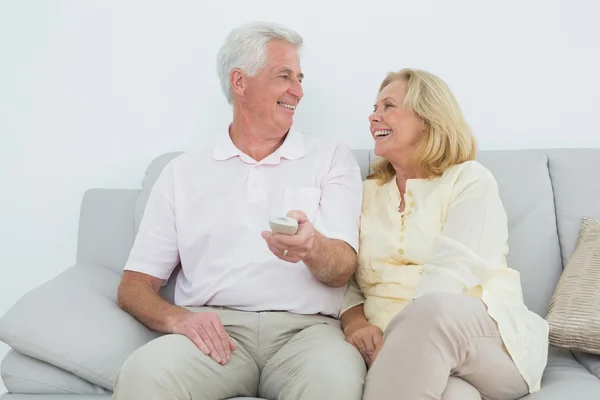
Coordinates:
(285, 126)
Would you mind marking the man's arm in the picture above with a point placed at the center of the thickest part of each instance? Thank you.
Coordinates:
(152, 260)
(329, 248)
(331, 261)
(138, 295)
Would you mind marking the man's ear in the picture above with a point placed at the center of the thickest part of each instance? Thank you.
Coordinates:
(236, 80)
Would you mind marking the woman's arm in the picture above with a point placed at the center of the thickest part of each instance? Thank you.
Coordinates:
(359, 332)
(363, 335)
(353, 319)
(473, 241)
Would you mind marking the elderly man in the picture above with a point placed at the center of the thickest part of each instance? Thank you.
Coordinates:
(255, 312)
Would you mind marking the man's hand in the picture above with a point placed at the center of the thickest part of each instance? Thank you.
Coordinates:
(298, 246)
(207, 332)
(366, 337)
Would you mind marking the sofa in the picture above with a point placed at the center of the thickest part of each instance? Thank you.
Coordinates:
(68, 337)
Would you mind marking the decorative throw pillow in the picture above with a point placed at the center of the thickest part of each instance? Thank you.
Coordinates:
(574, 315)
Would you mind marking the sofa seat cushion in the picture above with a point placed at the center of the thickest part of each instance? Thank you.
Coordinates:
(23, 374)
(565, 378)
(74, 323)
(590, 361)
(11, 396)
(71, 397)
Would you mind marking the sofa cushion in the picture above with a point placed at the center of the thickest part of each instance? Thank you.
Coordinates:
(23, 374)
(574, 175)
(106, 227)
(73, 322)
(590, 361)
(565, 378)
(9, 396)
(574, 317)
(526, 192)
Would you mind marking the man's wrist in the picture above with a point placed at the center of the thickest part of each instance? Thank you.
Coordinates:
(312, 256)
(173, 317)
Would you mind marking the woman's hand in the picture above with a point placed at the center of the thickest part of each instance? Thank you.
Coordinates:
(363, 335)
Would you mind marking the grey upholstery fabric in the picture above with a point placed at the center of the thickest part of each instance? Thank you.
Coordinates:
(526, 192)
(72, 397)
(566, 379)
(363, 158)
(23, 374)
(55, 397)
(57, 322)
(575, 176)
(590, 361)
(106, 227)
(73, 322)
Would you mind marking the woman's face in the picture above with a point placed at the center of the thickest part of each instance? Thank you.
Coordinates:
(397, 130)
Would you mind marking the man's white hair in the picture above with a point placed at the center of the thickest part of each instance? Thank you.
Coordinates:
(245, 48)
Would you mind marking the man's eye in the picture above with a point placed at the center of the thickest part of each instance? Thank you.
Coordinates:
(285, 76)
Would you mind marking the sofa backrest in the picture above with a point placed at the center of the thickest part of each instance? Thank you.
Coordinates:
(575, 176)
(530, 183)
(526, 191)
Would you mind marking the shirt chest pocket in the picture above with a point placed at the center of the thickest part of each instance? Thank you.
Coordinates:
(305, 199)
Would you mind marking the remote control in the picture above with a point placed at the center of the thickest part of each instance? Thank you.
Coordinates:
(284, 225)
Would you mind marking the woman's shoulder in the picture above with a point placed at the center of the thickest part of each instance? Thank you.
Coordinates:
(471, 177)
(372, 185)
(469, 171)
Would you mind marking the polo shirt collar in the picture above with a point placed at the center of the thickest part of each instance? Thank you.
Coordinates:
(291, 149)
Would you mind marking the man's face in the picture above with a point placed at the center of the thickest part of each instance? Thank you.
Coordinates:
(270, 98)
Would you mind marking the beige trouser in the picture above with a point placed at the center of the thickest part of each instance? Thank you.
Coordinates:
(279, 356)
(443, 346)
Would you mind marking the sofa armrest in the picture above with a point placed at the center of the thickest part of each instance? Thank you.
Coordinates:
(107, 227)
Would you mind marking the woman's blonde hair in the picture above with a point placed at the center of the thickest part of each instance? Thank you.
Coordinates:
(448, 140)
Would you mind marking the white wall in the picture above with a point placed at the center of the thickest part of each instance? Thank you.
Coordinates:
(91, 91)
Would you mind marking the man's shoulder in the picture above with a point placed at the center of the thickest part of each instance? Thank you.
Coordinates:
(192, 158)
(324, 146)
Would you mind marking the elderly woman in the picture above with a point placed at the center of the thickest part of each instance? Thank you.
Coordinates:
(434, 310)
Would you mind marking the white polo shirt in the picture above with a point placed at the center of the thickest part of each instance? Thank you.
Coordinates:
(208, 208)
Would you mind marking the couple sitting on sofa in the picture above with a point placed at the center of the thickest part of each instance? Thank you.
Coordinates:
(395, 288)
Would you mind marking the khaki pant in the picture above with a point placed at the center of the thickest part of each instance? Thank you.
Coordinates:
(444, 346)
(280, 356)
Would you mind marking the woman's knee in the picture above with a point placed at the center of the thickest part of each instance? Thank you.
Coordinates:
(432, 310)
(459, 389)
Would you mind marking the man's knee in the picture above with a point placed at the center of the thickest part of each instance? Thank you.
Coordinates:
(149, 368)
(318, 364)
(337, 370)
(332, 379)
